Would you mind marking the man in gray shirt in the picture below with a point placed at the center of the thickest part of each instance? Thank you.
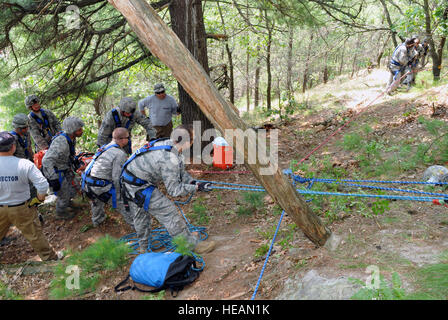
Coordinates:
(161, 109)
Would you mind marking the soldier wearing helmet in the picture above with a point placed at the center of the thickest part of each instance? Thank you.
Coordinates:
(123, 116)
(43, 123)
(57, 165)
(21, 124)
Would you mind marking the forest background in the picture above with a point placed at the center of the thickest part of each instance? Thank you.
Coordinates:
(81, 57)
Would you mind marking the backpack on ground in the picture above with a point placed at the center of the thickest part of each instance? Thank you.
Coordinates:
(169, 270)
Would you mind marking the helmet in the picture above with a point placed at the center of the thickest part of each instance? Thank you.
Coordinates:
(20, 120)
(30, 100)
(127, 104)
(71, 124)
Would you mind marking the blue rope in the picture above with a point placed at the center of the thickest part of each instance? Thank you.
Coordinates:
(160, 238)
(267, 256)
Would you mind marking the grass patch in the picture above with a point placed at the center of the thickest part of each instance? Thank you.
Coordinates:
(200, 212)
(7, 294)
(104, 255)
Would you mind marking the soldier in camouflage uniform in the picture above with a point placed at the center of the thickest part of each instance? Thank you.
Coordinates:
(106, 169)
(43, 123)
(21, 123)
(123, 116)
(153, 168)
(57, 165)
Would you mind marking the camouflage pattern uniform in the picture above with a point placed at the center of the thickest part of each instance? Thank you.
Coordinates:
(21, 120)
(59, 158)
(155, 167)
(108, 125)
(41, 137)
(108, 167)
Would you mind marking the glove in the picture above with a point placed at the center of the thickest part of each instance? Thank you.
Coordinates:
(193, 182)
(34, 202)
(55, 185)
(204, 186)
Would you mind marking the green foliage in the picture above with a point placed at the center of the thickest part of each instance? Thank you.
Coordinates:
(352, 141)
(385, 290)
(252, 202)
(262, 250)
(433, 280)
(380, 206)
(6, 294)
(183, 246)
(200, 212)
(154, 296)
(105, 254)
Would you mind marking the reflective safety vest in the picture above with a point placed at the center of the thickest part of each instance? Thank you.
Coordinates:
(142, 197)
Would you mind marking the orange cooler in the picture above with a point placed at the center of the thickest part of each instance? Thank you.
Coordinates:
(222, 154)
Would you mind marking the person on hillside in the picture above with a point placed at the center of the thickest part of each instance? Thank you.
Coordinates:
(161, 109)
(43, 123)
(160, 161)
(57, 165)
(123, 116)
(15, 204)
(101, 179)
(21, 125)
(398, 63)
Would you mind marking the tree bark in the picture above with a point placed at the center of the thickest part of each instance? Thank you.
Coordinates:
(187, 22)
(268, 62)
(290, 63)
(247, 81)
(307, 62)
(257, 80)
(436, 53)
(230, 58)
(389, 21)
(164, 44)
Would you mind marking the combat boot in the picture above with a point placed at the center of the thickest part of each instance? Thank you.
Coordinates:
(66, 215)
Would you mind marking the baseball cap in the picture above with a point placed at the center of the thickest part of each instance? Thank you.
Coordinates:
(6, 140)
(158, 88)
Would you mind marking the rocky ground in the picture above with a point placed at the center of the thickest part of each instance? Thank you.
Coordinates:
(408, 235)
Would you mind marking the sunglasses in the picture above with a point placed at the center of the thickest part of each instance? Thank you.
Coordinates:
(125, 138)
(160, 92)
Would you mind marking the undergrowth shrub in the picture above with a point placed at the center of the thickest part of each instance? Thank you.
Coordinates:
(7, 294)
(105, 254)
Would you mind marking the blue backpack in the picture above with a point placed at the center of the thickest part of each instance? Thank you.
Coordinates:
(169, 270)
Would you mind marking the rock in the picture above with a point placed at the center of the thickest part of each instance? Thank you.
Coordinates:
(314, 287)
(332, 242)
(436, 174)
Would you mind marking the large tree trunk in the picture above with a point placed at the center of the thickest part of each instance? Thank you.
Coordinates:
(187, 22)
(247, 80)
(436, 53)
(163, 43)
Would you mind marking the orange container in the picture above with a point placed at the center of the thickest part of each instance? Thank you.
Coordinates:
(222, 156)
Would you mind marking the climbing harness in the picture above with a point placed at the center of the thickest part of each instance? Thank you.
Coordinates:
(44, 124)
(118, 124)
(23, 143)
(97, 182)
(143, 196)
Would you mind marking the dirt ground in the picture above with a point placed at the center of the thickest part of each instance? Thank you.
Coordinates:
(406, 236)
